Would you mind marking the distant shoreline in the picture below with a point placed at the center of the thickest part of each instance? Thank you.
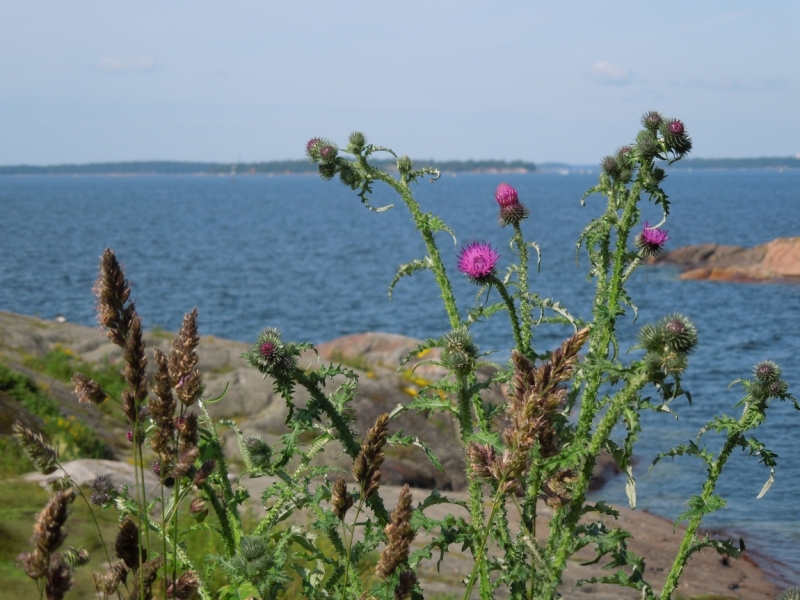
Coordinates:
(303, 167)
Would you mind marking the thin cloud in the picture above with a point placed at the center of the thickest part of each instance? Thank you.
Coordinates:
(126, 65)
(610, 74)
(720, 19)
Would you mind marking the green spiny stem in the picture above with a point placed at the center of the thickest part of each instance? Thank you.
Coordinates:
(479, 562)
(512, 315)
(439, 272)
(345, 436)
(524, 303)
(215, 445)
(690, 535)
(607, 299)
(561, 540)
(222, 515)
(464, 410)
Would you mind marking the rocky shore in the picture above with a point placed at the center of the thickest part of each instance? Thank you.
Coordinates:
(251, 402)
(778, 260)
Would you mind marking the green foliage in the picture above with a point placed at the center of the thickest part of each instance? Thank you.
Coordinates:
(72, 437)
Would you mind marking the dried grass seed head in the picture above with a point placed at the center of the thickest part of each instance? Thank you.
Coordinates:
(87, 390)
(399, 535)
(43, 456)
(366, 467)
(341, 501)
(113, 291)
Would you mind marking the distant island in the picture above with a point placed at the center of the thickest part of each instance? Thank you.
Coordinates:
(787, 162)
(278, 167)
(298, 167)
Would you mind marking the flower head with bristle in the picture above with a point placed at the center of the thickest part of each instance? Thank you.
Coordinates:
(511, 209)
(651, 240)
(478, 261)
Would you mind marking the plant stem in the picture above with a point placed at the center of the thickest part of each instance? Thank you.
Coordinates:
(561, 540)
(479, 556)
(351, 446)
(690, 534)
(350, 543)
(421, 223)
(524, 303)
(512, 314)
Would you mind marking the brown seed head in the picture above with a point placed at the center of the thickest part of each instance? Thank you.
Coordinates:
(399, 535)
(127, 544)
(366, 467)
(87, 390)
(142, 585)
(186, 379)
(341, 501)
(48, 531)
(162, 408)
(59, 578)
(112, 291)
(185, 587)
(405, 586)
(204, 472)
(43, 456)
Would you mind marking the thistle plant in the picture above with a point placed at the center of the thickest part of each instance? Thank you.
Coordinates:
(539, 445)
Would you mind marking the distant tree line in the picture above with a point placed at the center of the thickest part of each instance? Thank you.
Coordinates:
(788, 162)
(271, 167)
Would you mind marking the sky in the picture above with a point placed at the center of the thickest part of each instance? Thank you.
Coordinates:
(250, 81)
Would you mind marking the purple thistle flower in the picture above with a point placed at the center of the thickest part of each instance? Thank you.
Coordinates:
(676, 127)
(477, 261)
(267, 349)
(511, 209)
(651, 240)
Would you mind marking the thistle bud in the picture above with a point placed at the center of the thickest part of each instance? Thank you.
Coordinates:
(404, 165)
(652, 120)
(674, 133)
(356, 142)
(610, 165)
(680, 334)
(313, 147)
(511, 209)
(328, 153)
(204, 472)
(459, 351)
(269, 355)
(258, 451)
(767, 371)
(646, 144)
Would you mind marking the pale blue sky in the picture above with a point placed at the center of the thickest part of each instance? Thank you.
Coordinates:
(541, 81)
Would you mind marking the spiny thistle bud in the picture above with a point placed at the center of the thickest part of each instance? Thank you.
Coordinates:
(313, 146)
(367, 465)
(478, 261)
(87, 390)
(675, 137)
(511, 209)
(270, 355)
(328, 153)
(404, 165)
(793, 593)
(327, 171)
(459, 351)
(652, 120)
(651, 240)
(43, 456)
(399, 535)
(659, 174)
(258, 451)
(680, 334)
(356, 142)
(341, 501)
(767, 371)
(103, 492)
(777, 389)
(610, 165)
(646, 144)
(348, 176)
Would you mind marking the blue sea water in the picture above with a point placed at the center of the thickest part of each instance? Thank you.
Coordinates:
(304, 256)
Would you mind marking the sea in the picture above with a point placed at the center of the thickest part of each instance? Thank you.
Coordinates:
(307, 257)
